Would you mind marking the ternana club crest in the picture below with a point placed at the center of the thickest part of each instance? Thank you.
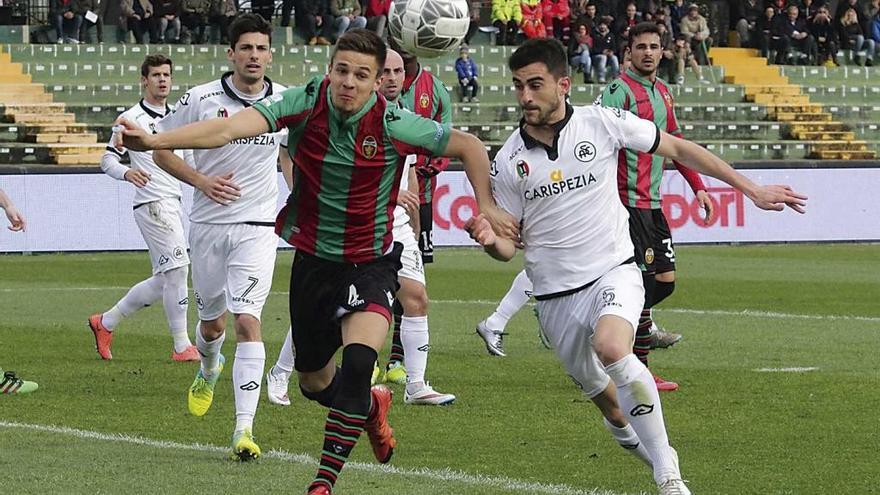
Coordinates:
(369, 147)
(424, 101)
(522, 169)
(222, 113)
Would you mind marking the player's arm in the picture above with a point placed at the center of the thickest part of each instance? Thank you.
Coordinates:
(16, 219)
(206, 134)
(111, 164)
(220, 189)
(413, 187)
(286, 163)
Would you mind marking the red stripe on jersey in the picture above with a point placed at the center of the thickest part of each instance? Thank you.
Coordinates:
(691, 176)
(645, 110)
(623, 167)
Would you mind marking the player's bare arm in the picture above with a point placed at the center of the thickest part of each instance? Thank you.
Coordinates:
(765, 197)
(706, 205)
(16, 219)
(206, 134)
(480, 230)
(286, 164)
(413, 185)
(219, 189)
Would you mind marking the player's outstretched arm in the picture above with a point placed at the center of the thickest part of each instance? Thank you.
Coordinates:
(765, 197)
(211, 133)
(16, 219)
(480, 230)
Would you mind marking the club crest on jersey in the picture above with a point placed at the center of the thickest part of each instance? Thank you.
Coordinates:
(222, 113)
(522, 169)
(424, 101)
(649, 256)
(556, 175)
(153, 127)
(585, 151)
(369, 147)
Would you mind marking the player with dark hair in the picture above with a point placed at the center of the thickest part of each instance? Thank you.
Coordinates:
(557, 175)
(348, 145)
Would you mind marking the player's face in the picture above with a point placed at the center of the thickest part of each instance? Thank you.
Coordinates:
(392, 76)
(541, 96)
(250, 57)
(353, 78)
(645, 53)
(157, 84)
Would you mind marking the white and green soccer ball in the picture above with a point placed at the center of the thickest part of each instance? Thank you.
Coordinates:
(428, 28)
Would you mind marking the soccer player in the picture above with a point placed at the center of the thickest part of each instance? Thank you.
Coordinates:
(347, 145)
(558, 175)
(639, 91)
(233, 243)
(158, 214)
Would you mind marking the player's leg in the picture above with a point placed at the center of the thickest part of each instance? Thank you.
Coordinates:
(426, 235)
(665, 277)
(278, 376)
(394, 370)
(491, 330)
(171, 243)
(616, 424)
(619, 296)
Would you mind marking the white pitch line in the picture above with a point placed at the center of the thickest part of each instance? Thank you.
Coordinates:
(447, 474)
(787, 370)
(484, 302)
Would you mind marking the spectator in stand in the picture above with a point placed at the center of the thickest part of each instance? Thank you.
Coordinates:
(791, 32)
(662, 17)
(506, 17)
(809, 8)
(852, 37)
(683, 57)
(474, 14)
(556, 19)
(779, 7)
(677, 11)
(579, 55)
(347, 15)
(65, 21)
(194, 15)
(316, 16)
(825, 34)
(875, 30)
(630, 18)
(844, 5)
(377, 15)
(587, 17)
(532, 23)
(747, 25)
(222, 13)
(99, 9)
(263, 8)
(466, 69)
(764, 31)
(604, 52)
(696, 31)
(286, 9)
(605, 8)
(167, 21)
(134, 16)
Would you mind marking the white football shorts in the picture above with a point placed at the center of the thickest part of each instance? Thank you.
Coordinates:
(232, 267)
(411, 258)
(568, 322)
(161, 224)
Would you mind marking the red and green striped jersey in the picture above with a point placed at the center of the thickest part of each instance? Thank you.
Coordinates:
(426, 95)
(639, 174)
(346, 170)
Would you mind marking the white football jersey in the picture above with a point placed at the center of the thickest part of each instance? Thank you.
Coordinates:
(252, 161)
(161, 184)
(400, 215)
(573, 225)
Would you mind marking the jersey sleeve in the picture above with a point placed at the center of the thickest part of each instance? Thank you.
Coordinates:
(412, 134)
(504, 188)
(290, 107)
(110, 162)
(630, 131)
(613, 96)
(185, 112)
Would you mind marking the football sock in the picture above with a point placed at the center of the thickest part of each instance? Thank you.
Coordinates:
(414, 332)
(397, 350)
(628, 439)
(286, 358)
(640, 403)
(247, 374)
(642, 344)
(517, 297)
(662, 290)
(138, 297)
(176, 302)
(348, 414)
(209, 350)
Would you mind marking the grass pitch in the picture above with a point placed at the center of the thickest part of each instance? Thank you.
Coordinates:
(741, 423)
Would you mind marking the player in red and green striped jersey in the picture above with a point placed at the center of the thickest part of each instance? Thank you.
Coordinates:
(348, 147)
(641, 92)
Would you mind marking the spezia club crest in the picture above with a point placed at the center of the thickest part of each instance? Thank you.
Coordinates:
(369, 147)
(585, 151)
(222, 113)
(522, 169)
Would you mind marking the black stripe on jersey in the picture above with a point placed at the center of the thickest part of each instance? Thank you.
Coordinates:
(152, 113)
(552, 152)
(230, 93)
(656, 141)
(118, 153)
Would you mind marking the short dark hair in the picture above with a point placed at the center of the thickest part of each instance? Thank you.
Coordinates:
(548, 51)
(155, 60)
(362, 41)
(248, 23)
(642, 28)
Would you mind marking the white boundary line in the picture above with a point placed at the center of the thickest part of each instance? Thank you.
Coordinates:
(446, 474)
(483, 302)
(787, 370)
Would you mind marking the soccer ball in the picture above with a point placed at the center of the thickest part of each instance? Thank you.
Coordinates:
(428, 28)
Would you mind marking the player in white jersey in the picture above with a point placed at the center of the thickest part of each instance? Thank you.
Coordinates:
(232, 239)
(557, 176)
(159, 216)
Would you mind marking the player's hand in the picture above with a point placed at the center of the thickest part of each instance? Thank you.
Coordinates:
(409, 201)
(707, 205)
(130, 136)
(219, 189)
(17, 222)
(432, 167)
(137, 177)
(480, 230)
(502, 223)
(776, 198)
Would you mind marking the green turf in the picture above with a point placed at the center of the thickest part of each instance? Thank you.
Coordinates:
(517, 419)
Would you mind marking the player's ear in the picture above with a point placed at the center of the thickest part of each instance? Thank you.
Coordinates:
(229, 53)
(564, 84)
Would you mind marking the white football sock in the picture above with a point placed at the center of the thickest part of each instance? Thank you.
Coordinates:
(138, 297)
(628, 439)
(287, 357)
(210, 351)
(517, 297)
(176, 302)
(640, 403)
(414, 337)
(247, 375)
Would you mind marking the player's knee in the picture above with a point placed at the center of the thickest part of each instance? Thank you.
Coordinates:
(176, 277)
(662, 290)
(247, 328)
(415, 303)
(357, 367)
(316, 387)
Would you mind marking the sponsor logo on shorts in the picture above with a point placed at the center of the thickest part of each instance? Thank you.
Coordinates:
(183, 302)
(199, 302)
(642, 410)
(250, 386)
(354, 299)
(178, 253)
(585, 151)
(608, 299)
(163, 260)
(389, 296)
(649, 256)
